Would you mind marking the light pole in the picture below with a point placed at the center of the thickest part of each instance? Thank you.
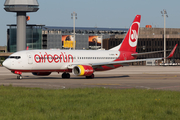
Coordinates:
(101, 42)
(74, 16)
(164, 14)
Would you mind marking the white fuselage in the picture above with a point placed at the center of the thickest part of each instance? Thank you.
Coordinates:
(54, 60)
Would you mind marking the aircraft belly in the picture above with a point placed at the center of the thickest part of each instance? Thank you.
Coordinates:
(48, 66)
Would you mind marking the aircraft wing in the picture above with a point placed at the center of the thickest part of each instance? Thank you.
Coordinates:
(145, 53)
(123, 62)
(110, 64)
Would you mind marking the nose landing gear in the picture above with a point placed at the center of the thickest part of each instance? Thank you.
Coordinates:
(18, 73)
(19, 77)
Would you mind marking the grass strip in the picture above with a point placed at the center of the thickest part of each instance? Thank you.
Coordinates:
(18, 103)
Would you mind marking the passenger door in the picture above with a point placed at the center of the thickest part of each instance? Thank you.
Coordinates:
(30, 59)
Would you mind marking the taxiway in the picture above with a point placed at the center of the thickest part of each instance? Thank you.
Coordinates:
(143, 77)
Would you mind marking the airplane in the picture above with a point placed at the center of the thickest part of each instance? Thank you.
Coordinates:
(78, 62)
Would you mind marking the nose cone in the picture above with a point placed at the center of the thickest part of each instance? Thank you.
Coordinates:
(6, 63)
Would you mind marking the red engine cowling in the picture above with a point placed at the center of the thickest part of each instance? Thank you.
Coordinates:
(41, 73)
(83, 70)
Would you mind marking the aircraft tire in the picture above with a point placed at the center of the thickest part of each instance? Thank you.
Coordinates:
(19, 77)
(65, 75)
(87, 77)
(90, 77)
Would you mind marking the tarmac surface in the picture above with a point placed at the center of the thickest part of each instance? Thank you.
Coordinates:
(142, 77)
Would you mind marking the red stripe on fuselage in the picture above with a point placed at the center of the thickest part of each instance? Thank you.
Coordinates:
(104, 68)
(65, 70)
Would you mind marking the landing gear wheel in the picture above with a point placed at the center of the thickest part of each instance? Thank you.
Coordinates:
(65, 75)
(19, 77)
(90, 77)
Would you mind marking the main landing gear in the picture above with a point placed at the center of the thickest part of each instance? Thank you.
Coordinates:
(65, 75)
(90, 77)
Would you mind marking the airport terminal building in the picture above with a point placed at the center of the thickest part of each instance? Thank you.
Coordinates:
(46, 37)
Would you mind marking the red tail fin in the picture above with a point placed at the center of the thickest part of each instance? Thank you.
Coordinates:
(130, 41)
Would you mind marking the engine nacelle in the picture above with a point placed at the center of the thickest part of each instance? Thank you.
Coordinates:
(83, 70)
(41, 73)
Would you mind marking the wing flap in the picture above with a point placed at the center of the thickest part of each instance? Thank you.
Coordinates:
(111, 66)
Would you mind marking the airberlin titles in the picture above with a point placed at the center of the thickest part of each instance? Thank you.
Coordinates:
(43, 58)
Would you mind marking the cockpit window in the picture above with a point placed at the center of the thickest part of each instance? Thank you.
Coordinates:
(15, 57)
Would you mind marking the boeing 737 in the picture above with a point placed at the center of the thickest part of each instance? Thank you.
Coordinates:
(78, 62)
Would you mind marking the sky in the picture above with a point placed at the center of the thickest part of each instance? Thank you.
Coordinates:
(96, 13)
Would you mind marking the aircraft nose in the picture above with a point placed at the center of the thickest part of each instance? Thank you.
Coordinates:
(6, 63)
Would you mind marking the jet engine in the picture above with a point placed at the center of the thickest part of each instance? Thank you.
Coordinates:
(83, 70)
(41, 73)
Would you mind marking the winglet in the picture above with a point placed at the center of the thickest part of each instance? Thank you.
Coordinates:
(172, 52)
